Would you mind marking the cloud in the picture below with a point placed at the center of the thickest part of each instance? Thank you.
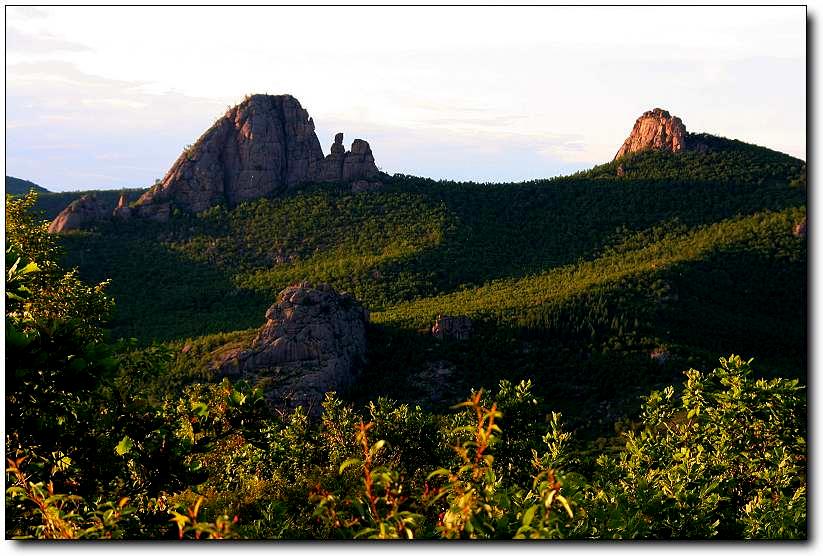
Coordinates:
(87, 125)
(25, 12)
(459, 154)
(20, 42)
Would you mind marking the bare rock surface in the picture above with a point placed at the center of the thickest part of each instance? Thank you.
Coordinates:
(263, 146)
(122, 211)
(446, 326)
(356, 165)
(655, 130)
(80, 213)
(359, 163)
(313, 341)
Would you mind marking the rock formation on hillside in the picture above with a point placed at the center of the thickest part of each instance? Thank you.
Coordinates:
(80, 213)
(122, 210)
(314, 341)
(264, 145)
(655, 130)
(342, 166)
(458, 328)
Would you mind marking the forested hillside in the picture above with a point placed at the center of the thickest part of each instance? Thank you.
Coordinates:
(17, 186)
(583, 274)
(587, 295)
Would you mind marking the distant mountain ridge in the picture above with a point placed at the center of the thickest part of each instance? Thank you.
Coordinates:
(266, 146)
(18, 186)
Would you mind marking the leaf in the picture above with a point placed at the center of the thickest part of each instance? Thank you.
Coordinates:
(377, 446)
(124, 446)
(528, 515)
(349, 462)
(238, 398)
(565, 503)
(29, 268)
(437, 472)
(200, 409)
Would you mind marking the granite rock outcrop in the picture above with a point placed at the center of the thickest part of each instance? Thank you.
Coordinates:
(79, 214)
(313, 341)
(655, 130)
(263, 146)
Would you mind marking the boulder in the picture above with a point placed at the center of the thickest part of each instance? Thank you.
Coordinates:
(458, 328)
(655, 130)
(313, 341)
(81, 213)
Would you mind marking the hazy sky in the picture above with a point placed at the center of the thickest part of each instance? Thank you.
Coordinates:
(105, 97)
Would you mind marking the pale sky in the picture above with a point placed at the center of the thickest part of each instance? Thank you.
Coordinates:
(107, 97)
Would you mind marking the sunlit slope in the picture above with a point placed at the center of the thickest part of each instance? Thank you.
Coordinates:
(411, 241)
(652, 251)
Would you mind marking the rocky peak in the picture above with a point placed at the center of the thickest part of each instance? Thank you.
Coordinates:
(352, 166)
(80, 213)
(655, 130)
(122, 210)
(337, 147)
(262, 146)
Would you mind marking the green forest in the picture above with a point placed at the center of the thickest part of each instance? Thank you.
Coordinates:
(636, 368)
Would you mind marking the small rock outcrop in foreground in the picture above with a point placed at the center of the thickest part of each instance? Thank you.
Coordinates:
(314, 341)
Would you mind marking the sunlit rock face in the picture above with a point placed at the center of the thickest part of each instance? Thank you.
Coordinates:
(262, 146)
(655, 130)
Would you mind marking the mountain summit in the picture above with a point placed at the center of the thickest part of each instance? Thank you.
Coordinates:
(264, 145)
(655, 130)
(261, 147)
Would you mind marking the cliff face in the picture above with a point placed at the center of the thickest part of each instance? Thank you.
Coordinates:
(655, 130)
(264, 145)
